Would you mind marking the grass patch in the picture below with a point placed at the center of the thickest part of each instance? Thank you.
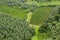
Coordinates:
(40, 15)
(14, 11)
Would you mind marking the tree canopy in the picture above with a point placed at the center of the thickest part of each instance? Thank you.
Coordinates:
(12, 28)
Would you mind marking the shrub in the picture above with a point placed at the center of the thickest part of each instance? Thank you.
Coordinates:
(44, 29)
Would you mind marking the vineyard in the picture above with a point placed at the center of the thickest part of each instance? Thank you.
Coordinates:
(29, 19)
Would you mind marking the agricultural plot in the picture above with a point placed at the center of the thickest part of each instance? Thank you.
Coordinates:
(40, 15)
(29, 20)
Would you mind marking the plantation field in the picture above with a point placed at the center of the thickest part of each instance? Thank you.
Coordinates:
(34, 17)
(40, 15)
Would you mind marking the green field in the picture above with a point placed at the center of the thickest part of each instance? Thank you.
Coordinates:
(40, 15)
(14, 11)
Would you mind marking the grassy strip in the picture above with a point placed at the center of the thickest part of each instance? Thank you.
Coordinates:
(50, 3)
(14, 11)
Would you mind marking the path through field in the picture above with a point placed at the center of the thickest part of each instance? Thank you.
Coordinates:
(29, 17)
(35, 26)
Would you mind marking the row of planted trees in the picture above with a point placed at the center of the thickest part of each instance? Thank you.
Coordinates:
(12, 28)
(19, 2)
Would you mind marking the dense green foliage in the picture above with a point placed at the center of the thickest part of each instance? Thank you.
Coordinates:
(15, 27)
(52, 25)
(12, 28)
